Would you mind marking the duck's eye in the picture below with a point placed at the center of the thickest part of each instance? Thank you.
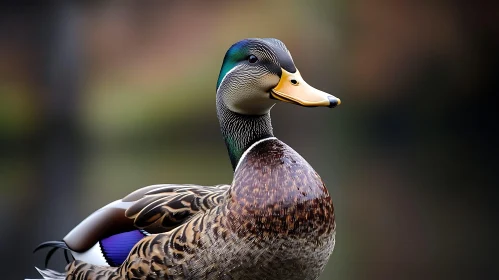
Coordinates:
(252, 59)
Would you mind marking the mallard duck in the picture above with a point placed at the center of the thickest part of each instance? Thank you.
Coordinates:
(274, 221)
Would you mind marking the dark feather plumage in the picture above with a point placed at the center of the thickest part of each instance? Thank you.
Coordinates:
(167, 206)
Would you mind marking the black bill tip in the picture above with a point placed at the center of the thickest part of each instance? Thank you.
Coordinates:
(333, 101)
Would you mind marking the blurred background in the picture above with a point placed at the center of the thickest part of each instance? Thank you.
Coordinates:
(99, 99)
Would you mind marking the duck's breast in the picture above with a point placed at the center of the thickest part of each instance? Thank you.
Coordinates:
(276, 193)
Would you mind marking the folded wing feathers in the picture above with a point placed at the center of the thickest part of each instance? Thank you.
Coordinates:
(166, 205)
(169, 205)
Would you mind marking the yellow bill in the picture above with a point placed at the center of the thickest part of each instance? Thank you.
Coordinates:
(293, 89)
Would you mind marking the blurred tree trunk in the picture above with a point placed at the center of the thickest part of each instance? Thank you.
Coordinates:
(61, 147)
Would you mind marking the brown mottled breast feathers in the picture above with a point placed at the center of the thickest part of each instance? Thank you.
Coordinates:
(276, 192)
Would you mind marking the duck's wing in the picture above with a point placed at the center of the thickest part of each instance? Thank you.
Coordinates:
(164, 208)
(154, 209)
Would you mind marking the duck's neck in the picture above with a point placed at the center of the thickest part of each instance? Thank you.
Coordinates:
(241, 131)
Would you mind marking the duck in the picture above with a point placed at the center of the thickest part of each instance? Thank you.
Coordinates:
(275, 220)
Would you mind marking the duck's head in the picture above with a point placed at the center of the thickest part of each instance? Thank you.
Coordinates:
(257, 72)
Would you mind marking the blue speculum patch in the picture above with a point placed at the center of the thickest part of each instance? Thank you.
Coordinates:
(117, 247)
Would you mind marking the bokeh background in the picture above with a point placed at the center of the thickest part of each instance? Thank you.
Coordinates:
(99, 99)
